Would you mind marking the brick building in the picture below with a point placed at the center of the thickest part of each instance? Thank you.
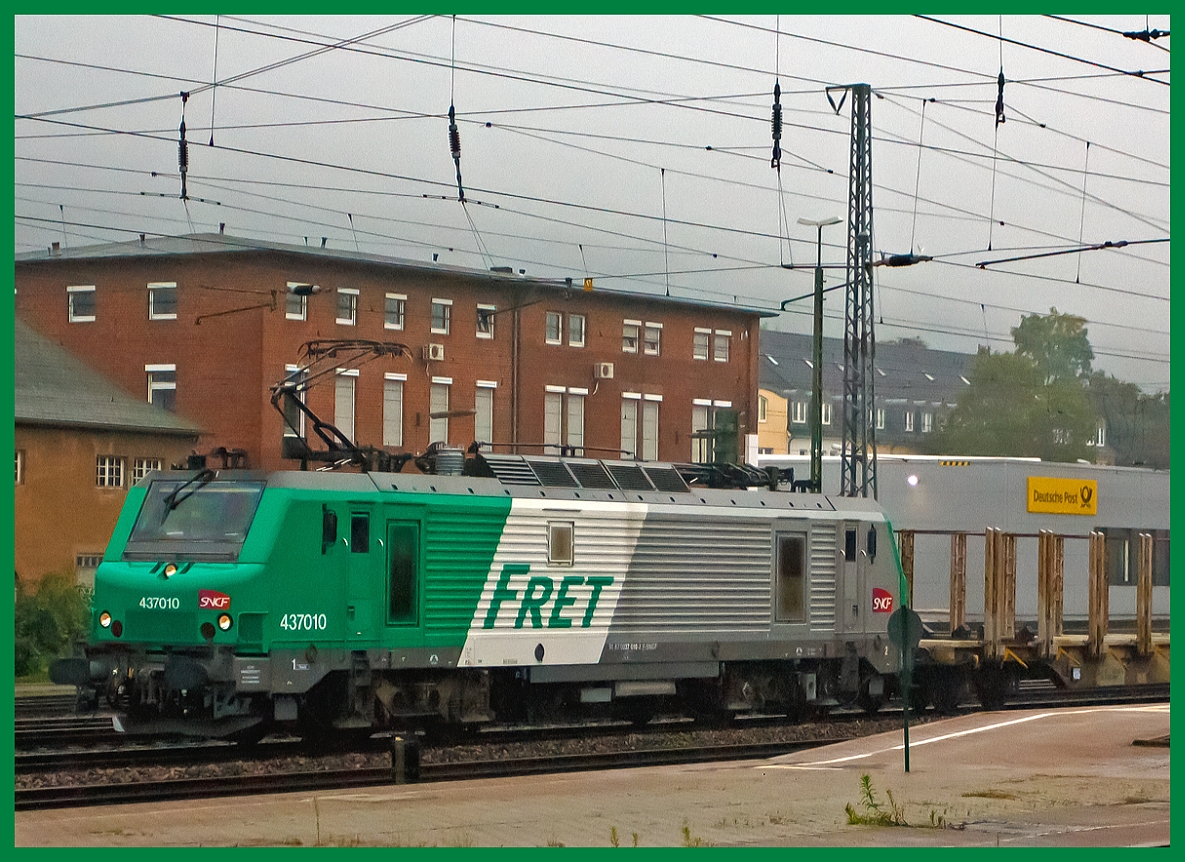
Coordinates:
(80, 443)
(204, 325)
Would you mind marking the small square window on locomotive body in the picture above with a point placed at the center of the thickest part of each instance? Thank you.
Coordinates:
(560, 543)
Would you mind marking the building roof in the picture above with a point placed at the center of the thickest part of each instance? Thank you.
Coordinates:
(54, 387)
(218, 243)
(908, 371)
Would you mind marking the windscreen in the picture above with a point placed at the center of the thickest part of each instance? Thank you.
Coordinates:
(192, 517)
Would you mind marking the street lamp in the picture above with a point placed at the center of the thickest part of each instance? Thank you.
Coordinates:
(817, 369)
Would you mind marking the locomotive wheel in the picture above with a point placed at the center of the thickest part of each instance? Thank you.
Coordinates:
(991, 685)
(870, 703)
(947, 691)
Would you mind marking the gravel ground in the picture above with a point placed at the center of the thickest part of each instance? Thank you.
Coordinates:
(653, 738)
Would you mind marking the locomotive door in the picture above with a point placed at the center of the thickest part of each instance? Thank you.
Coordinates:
(855, 578)
(364, 574)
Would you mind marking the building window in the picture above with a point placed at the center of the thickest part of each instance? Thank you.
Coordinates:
(927, 422)
(162, 300)
(762, 407)
(293, 415)
(438, 410)
(393, 409)
(1100, 435)
(141, 467)
(343, 402)
(720, 345)
(483, 411)
(82, 303)
(699, 348)
(109, 471)
(880, 419)
(629, 336)
(485, 320)
(347, 306)
(296, 304)
(639, 426)
(162, 386)
(826, 413)
(653, 339)
(798, 414)
(908, 420)
(442, 312)
(553, 327)
(703, 418)
(393, 311)
(563, 421)
(20, 466)
(577, 325)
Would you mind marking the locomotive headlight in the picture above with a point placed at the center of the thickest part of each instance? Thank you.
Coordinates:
(224, 622)
(912, 480)
(170, 570)
(105, 620)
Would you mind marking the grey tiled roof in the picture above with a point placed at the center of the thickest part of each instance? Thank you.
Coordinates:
(54, 387)
(216, 243)
(904, 371)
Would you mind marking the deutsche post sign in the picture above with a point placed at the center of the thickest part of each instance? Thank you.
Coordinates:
(1063, 496)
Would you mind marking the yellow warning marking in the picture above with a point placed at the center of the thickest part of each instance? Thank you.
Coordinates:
(954, 463)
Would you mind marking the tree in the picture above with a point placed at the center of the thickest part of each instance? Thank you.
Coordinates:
(1137, 425)
(1011, 410)
(1056, 343)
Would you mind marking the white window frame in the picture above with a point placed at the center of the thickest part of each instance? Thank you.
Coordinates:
(631, 334)
(880, 418)
(577, 342)
(649, 426)
(351, 294)
(153, 288)
(401, 299)
(289, 370)
(927, 422)
(652, 339)
(72, 292)
(438, 428)
(701, 345)
(109, 471)
(909, 420)
(340, 390)
(629, 424)
(20, 466)
(446, 315)
(303, 314)
(160, 385)
(762, 408)
(1100, 435)
(703, 418)
(141, 467)
(393, 408)
(557, 318)
(722, 337)
(798, 412)
(826, 420)
(487, 318)
(483, 410)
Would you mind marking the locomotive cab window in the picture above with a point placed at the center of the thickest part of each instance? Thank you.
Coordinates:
(790, 603)
(403, 555)
(559, 543)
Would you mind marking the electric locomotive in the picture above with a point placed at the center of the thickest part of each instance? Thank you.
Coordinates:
(497, 588)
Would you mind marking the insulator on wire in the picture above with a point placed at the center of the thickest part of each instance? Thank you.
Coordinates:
(1000, 99)
(776, 127)
(183, 159)
(454, 134)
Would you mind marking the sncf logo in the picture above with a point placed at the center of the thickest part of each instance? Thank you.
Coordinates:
(212, 600)
(882, 601)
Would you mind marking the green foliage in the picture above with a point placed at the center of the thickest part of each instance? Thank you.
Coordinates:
(1137, 424)
(1010, 409)
(48, 621)
(1056, 344)
(873, 814)
(690, 840)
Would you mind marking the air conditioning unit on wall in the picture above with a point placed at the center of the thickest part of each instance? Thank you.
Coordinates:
(434, 352)
(603, 371)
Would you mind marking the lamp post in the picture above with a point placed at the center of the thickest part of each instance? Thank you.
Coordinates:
(817, 368)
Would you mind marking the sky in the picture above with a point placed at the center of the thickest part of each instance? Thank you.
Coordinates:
(636, 151)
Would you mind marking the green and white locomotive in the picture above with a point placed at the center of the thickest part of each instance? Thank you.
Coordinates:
(499, 588)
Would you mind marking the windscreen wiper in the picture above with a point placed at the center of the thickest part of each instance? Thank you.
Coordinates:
(175, 499)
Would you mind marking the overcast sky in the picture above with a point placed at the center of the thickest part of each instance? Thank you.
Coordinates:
(635, 150)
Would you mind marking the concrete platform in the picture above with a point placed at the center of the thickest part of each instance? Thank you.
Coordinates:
(1068, 777)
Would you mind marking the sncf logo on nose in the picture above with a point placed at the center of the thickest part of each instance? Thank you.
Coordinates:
(212, 600)
(882, 601)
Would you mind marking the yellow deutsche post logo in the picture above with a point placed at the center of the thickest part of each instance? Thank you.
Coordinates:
(1063, 496)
